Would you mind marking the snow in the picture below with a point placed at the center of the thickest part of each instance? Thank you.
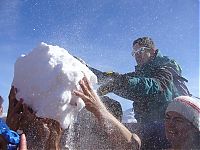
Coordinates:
(45, 79)
(128, 116)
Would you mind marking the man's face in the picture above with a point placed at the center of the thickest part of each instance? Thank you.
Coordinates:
(142, 54)
(177, 128)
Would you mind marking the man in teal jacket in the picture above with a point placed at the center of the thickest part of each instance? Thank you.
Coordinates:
(151, 86)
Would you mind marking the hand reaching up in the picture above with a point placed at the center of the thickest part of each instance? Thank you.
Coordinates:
(90, 98)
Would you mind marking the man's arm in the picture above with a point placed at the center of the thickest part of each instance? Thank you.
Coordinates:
(130, 87)
(118, 133)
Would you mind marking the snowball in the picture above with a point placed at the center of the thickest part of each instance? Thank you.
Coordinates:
(46, 78)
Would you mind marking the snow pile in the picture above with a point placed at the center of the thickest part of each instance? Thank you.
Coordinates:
(46, 78)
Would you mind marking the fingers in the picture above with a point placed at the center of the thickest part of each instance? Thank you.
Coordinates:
(18, 106)
(27, 114)
(16, 109)
(86, 82)
(81, 95)
(23, 145)
(15, 115)
(13, 92)
(88, 92)
(25, 109)
(86, 99)
(84, 87)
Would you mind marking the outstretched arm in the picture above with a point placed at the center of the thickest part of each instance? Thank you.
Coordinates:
(130, 87)
(118, 133)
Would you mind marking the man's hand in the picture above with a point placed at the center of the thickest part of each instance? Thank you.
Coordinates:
(117, 82)
(119, 135)
(106, 88)
(110, 83)
(14, 110)
(41, 133)
(91, 100)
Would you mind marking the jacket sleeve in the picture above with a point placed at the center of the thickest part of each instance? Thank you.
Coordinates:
(132, 87)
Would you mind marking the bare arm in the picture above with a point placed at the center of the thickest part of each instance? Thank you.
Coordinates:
(118, 133)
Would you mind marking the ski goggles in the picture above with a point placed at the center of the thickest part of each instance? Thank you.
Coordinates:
(139, 50)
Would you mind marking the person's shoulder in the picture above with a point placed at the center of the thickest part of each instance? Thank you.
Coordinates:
(172, 64)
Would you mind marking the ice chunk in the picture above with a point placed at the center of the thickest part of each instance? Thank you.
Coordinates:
(45, 79)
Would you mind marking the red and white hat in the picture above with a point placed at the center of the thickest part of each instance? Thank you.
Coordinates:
(188, 107)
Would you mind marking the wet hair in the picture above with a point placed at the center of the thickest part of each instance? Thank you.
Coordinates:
(144, 41)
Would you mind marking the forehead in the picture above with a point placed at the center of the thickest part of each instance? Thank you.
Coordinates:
(174, 114)
(136, 46)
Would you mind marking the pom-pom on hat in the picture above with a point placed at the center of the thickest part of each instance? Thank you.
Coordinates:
(188, 107)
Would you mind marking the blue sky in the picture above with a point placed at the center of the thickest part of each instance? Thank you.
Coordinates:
(100, 32)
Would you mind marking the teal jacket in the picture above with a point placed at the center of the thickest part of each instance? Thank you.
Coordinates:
(150, 87)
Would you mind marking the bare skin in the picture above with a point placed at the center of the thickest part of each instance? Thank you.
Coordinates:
(43, 133)
(23, 145)
(14, 110)
(118, 133)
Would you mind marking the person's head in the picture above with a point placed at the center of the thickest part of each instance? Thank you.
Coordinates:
(1, 105)
(182, 121)
(143, 50)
